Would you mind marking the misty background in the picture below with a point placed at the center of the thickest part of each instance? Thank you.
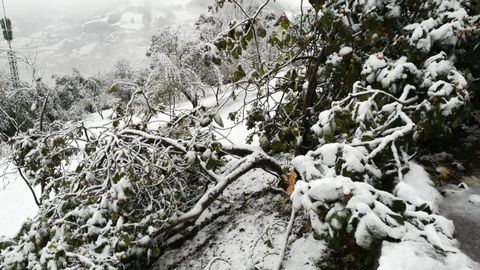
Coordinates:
(91, 35)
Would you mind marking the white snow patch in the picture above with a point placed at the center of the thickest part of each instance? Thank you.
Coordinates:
(415, 255)
(16, 202)
(417, 187)
(305, 254)
(474, 199)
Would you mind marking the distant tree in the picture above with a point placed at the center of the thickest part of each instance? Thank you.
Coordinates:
(79, 95)
(177, 66)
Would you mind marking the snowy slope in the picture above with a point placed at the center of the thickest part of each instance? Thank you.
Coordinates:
(16, 201)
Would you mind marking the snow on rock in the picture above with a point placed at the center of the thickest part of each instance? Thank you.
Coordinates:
(306, 253)
(474, 199)
(417, 187)
(416, 255)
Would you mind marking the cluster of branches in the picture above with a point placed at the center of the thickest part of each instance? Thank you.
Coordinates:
(123, 193)
(359, 85)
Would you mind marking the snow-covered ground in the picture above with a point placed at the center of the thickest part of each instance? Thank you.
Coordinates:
(244, 230)
(16, 201)
(463, 207)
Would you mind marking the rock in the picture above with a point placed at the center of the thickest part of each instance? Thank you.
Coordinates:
(463, 186)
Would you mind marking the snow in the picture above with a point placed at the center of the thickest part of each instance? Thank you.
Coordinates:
(334, 59)
(451, 105)
(345, 51)
(306, 167)
(458, 206)
(246, 233)
(307, 253)
(435, 67)
(415, 255)
(474, 199)
(16, 201)
(397, 71)
(373, 64)
(131, 21)
(85, 50)
(417, 187)
(440, 89)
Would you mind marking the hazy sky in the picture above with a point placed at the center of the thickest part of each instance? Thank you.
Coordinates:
(35, 7)
(31, 7)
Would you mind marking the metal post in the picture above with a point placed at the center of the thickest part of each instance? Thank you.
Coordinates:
(12, 60)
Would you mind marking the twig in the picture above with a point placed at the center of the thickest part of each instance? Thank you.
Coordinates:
(212, 261)
(285, 240)
(42, 116)
(30, 187)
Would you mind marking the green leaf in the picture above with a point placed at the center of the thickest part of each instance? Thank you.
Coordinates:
(317, 4)
(236, 52)
(125, 238)
(284, 23)
(221, 44)
(262, 32)
(249, 35)
(239, 74)
(232, 116)
(113, 89)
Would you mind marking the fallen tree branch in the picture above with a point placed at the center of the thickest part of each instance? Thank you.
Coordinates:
(285, 240)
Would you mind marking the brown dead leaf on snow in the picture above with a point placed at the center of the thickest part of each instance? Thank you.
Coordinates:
(290, 179)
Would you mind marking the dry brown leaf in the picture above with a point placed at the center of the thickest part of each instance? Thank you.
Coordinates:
(292, 179)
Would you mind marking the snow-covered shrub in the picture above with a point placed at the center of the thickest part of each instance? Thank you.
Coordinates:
(79, 95)
(342, 210)
(123, 79)
(359, 86)
(29, 106)
(331, 47)
(177, 69)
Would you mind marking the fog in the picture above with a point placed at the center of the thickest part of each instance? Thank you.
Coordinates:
(28, 8)
(59, 35)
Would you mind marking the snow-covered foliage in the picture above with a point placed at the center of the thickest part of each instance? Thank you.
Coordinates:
(79, 95)
(363, 83)
(177, 67)
(116, 196)
(332, 48)
(352, 87)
